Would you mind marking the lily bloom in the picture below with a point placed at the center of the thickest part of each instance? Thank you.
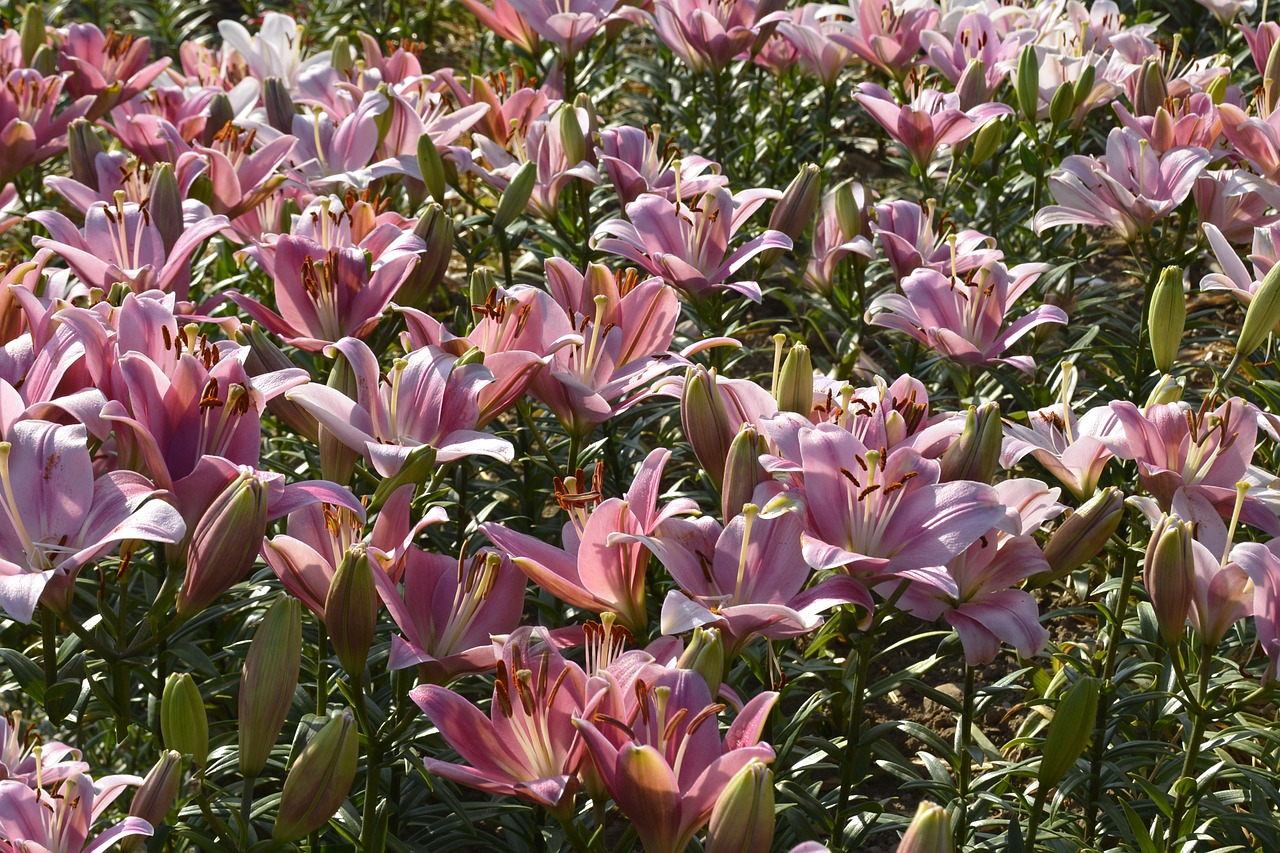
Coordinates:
(929, 120)
(706, 35)
(813, 31)
(32, 128)
(57, 516)
(527, 747)
(1262, 564)
(276, 49)
(36, 819)
(425, 398)
(833, 241)
(976, 37)
(636, 163)
(909, 239)
(112, 66)
(505, 21)
(888, 34)
(1235, 278)
(1260, 42)
(589, 572)
(1128, 190)
(1231, 201)
(568, 24)
(671, 763)
(963, 319)
(21, 762)
(449, 610)
(687, 245)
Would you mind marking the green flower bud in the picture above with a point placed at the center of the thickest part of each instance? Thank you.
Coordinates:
(280, 108)
(1069, 731)
(516, 196)
(742, 820)
(264, 357)
(986, 142)
(435, 227)
(224, 543)
(975, 454)
(1262, 315)
(849, 212)
(431, 165)
(705, 655)
(156, 795)
(83, 148)
(705, 421)
(1084, 85)
(1027, 83)
(1152, 92)
(221, 113)
(32, 34)
(1082, 536)
(268, 681)
(572, 139)
(166, 205)
(972, 85)
(1169, 575)
(795, 382)
(319, 779)
(794, 212)
(1062, 104)
(742, 471)
(183, 722)
(342, 57)
(1167, 390)
(1167, 318)
(351, 611)
(929, 832)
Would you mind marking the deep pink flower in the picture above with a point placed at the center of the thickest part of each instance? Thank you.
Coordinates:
(813, 30)
(705, 34)
(505, 21)
(930, 119)
(1235, 277)
(568, 24)
(909, 239)
(112, 66)
(976, 37)
(32, 128)
(888, 36)
(21, 762)
(1233, 202)
(61, 821)
(636, 163)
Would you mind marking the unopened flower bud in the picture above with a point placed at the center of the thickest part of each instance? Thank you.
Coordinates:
(795, 382)
(1216, 88)
(435, 227)
(45, 60)
(337, 460)
(850, 216)
(1270, 79)
(318, 782)
(572, 139)
(1167, 318)
(32, 35)
(1027, 83)
(342, 57)
(742, 820)
(432, 167)
(1151, 93)
(221, 113)
(515, 198)
(742, 471)
(83, 148)
(705, 655)
(280, 108)
(166, 205)
(265, 357)
(929, 832)
(224, 542)
(183, 722)
(1082, 536)
(705, 421)
(794, 212)
(1262, 315)
(975, 454)
(351, 611)
(1069, 731)
(986, 142)
(1168, 389)
(268, 681)
(1084, 85)
(156, 795)
(1169, 575)
(588, 111)
(972, 85)
(1062, 104)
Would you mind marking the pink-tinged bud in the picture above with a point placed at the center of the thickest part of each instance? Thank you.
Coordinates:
(431, 166)
(183, 722)
(221, 113)
(1152, 92)
(156, 795)
(1069, 731)
(435, 227)
(1270, 80)
(1082, 536)
(337, 460)
(742, 471)
(705, 656)
(742, 820)
(268, 681)
(705, 421)
(280, 108)
(319, 780)
(794, 391)
(794, 212)
(1169, 575)
(972, 85)
(265, 357)
(583, 102)
(224, 542)
(166, 205)
(32, 35)
(83, 148)
(351, 611)
(929, 832)
(976, 453)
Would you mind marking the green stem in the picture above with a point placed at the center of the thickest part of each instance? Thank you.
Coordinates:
(246, 805)
(49, 645)
(859, 667)
(964, 741)
(1199, 711)
(1037, 810)
(1149, 286)
(322, 674)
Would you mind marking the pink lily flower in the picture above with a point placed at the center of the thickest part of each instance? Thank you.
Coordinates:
(323, 295)
(909, 239)
(671, 761)
(813, 30)
(35, 819)
(1230, 200)
(449, 610)
(929, 120)
(506, 22)
(527, 747)
(1128, 190)
(748, 578)
(636, 164)
(274, 51)
(20, 762)
(426, 398)
(963, 319)
(1255, 139)
(1235, 278)
(887, 34)
(1262, 564)
(32, 129)
(687, 245)
(974, 591)
(513, 101)
(116, 171)
(420, 108)
(1191, 121)
(242, 176)
(706, 35)
(832, 243)
(976, 37)
(568, 24)
(66, 517)
(112, 67)
(1260, 42)
(594, 571)
(122, 243)
(880, 512)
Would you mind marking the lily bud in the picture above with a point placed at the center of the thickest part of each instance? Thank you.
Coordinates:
(1027, 83)
(972, 85)
(480, 286)
(929, 832)
(705, 421)
(45, 60)
(742, 471)
(268, 681)
(432, 167)
(1082, 536)
(1152, 92)
(221, 113)
(1069, 731)
(224, 542)
(156, 795)
(583, 102)
(435, 227)
(337, 460)
(975, 454)
(83, 148)
(319, 780)
(265, 357)
(342, 57)
(1167, 390)
(32, 35)
(572, 139)
(795, 382)
(1270, 79)
(742, 820)
(516, 196)
(794, 212)
(1084, 85)
(280, 108)
(351, 611)
(1062, 104)
(986, 142)
(1262, 315)
(183, 722)
(166, 205)
(849, 212)
(1217, 87)
(1169, 575)
(1167, 318)
(705, 656)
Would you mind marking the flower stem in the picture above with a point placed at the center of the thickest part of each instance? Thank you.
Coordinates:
(964, 741)
(1197, 708)
(857, 670)
(49, 645)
